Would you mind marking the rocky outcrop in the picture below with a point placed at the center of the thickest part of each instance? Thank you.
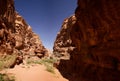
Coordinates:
(26, 41)
(16, 36)
(63, 43)
(95, 37)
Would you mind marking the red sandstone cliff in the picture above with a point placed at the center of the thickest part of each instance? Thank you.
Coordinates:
(16, 36)
(63, 43)
(95, 36)
(27, 42)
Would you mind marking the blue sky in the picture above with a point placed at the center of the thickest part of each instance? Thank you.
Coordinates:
(46, 16)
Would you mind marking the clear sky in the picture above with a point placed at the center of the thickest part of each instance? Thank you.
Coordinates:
(46, 16)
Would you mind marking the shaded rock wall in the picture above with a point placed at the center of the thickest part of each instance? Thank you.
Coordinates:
(96, 36)
(16, 36)
(7, 26)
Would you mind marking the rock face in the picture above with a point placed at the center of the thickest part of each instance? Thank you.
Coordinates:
(7, 26)
(27, 42)
(63, 43)
(95, 37)
(16, 36)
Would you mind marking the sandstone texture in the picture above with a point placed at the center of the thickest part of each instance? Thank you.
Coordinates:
(27, 42)
(63, 43)
(16, 36)
(95, 37)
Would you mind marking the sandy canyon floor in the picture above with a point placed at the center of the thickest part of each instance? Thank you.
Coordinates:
(33, 73)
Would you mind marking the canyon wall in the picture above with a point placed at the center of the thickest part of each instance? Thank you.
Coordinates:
(7, 26)
(95, 37)
(26, 41)
(16, 36)
(63, 43)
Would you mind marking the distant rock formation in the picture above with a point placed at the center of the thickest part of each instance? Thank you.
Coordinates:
(63, 43)
(95, 37)
(16, 36)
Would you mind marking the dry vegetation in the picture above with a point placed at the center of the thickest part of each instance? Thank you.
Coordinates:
(5, 77)
(44, 61)
(6, 62)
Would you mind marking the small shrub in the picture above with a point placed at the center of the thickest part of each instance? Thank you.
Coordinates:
(45, 61)
(41, 61)
(1, 77)
(7, 61)
(4, 77)
(49, 68)
(29, 61)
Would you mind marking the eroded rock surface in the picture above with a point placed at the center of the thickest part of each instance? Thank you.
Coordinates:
(95, 37)
(27, 42)
(7, 26)
(16, 36)
(63, 43)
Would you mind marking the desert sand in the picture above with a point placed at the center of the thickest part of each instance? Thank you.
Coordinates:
(34, 73)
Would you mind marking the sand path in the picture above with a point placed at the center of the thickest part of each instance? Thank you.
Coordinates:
(34, 73)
